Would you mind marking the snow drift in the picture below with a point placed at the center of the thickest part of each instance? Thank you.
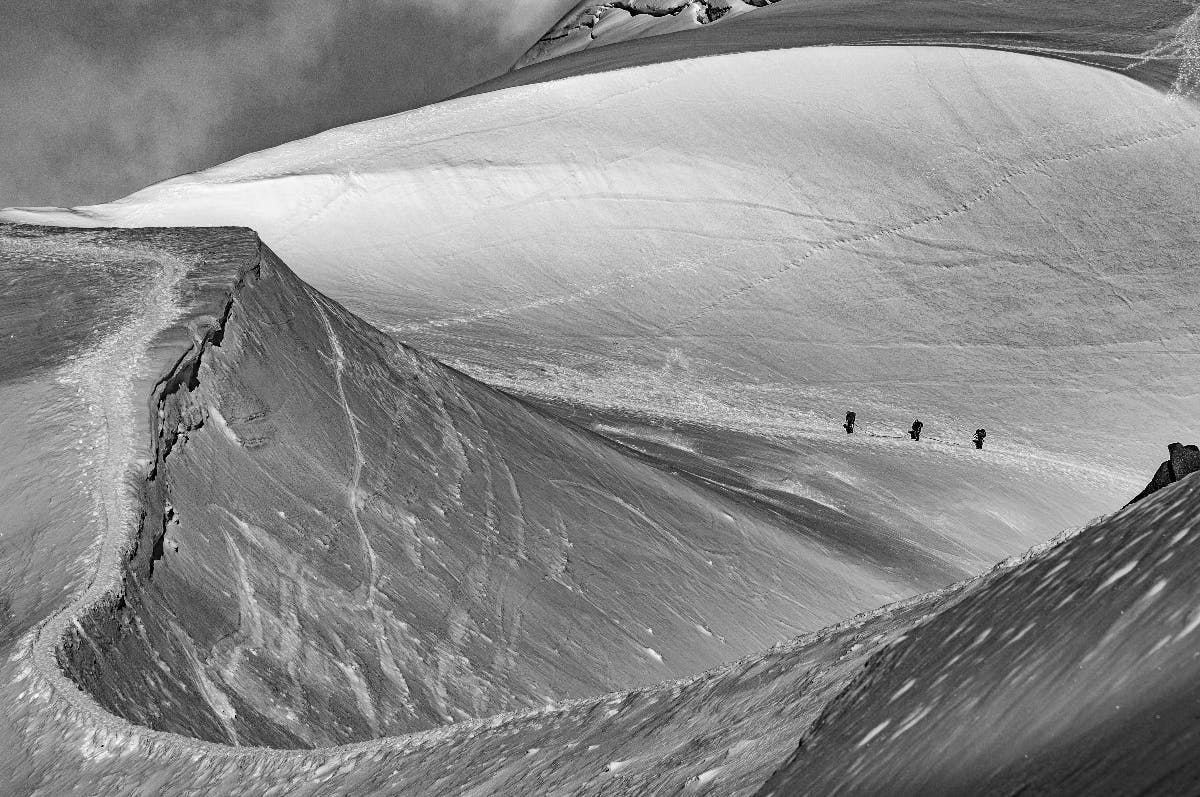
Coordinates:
(973, 238)
(337, 538)
(591, 24)
(1072, 673)
(265, 586)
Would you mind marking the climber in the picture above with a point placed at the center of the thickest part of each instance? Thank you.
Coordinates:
(915, 432)
(849, 424)
(978, 438)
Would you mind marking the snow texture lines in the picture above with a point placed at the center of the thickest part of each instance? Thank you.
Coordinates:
(622, 280)
(962, 207)
(353, 489)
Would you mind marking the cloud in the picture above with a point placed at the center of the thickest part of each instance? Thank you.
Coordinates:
(104, 97)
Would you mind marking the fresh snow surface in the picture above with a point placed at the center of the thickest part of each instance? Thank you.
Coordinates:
(761, 241)
(1118, 675)
(714, 259)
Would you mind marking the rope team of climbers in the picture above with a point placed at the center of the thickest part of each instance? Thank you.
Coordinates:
(915, 431)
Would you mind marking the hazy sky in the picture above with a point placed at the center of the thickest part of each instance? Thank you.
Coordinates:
(101, 97)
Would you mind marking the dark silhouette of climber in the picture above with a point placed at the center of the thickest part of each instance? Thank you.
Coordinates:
(915, 431)
(849, 424)
(978, 438)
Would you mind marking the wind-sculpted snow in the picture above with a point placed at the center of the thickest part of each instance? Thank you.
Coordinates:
(344, 539)
(941, 694)
(333, 537)
(1073, 673)
(973, 238)
(337, 538)
(1154, 40)
(249, 524)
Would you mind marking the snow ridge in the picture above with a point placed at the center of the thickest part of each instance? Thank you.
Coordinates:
(104, 378)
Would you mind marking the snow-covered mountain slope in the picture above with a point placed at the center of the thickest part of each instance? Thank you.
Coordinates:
(1073, 673)
(1157, 41)
(335, 537)
(765, 240)
(341, 539)
(91, 322)
(199, 602)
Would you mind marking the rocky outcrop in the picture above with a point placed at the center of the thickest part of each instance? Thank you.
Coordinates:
(581, 21)
(1182, 460)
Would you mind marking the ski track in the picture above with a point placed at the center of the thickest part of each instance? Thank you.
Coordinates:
(382, 618)
(624, 280)
(962, 207)
(353, 489)
(750, 409)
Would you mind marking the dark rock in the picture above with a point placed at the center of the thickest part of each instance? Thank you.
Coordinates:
(1182, 461)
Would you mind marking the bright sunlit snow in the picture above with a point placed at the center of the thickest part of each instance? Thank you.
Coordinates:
(497, 447)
